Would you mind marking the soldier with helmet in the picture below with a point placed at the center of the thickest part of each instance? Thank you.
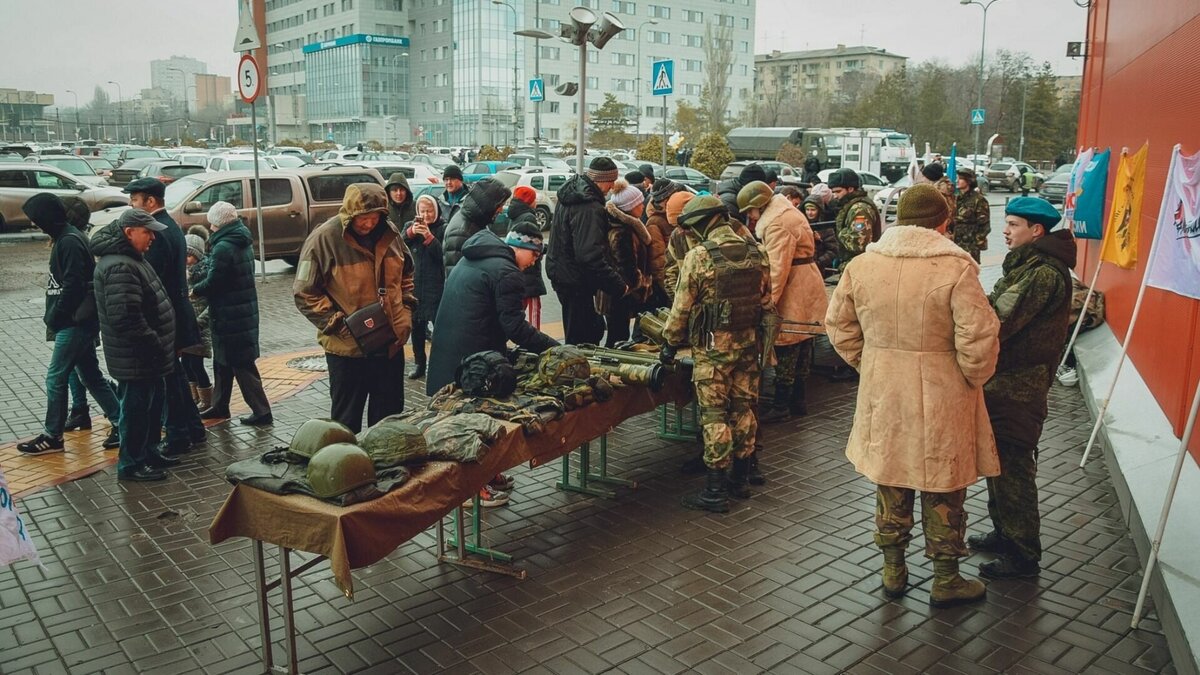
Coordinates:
(721, 299)
(857, 222)
(972, 215)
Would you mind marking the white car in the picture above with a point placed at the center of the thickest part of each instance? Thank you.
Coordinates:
(871, 183)
(415, 173)
(239, 162)
(544, 181)
(76, 166)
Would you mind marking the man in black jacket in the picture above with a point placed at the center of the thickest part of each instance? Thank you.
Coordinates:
(488, 308)
(168, 257)
(71, 325)
(479, 209)
(138, 327)
(579, 261)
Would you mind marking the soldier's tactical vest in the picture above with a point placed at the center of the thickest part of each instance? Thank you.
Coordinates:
(737, 301)
(843, 216)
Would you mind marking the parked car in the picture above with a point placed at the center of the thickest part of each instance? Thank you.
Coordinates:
(290, 160)
(240, 162)
(128, 153)
(440, 162)
(543, 160)
(688, 176)
(788, 174)
(76, 166)
(20, 181)
(416, 174)
(123, 174)
(545, 183)
(168, 171)
(101, 166)
(1054, 190)
(1007, 175)
(872, 183)
(888, 198)
(474, 171)
(435, 190)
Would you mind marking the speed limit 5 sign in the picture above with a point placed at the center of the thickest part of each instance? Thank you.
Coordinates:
(248, 79)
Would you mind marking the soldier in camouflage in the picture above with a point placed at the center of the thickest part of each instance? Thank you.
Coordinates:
(972, 215)
(857, 222)
(1033, 300)
(723, 293)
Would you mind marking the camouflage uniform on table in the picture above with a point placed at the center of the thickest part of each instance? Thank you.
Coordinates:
(972, 223)
(857, 225)
(724, 290)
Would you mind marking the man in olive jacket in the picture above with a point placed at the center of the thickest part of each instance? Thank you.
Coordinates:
(1032, 300)
(137, 325)
(344, 265)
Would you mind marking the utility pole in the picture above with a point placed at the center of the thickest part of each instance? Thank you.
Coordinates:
(1021, 147)
(120, 112)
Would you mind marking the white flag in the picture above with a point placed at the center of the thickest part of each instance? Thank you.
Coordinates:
(1175, 254)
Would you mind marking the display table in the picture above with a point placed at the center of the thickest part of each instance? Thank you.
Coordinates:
(356, 536)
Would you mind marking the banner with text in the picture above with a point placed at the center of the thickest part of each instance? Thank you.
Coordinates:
(1120, 245)
(1175, 264)
(1074, 180)
(1087, 217)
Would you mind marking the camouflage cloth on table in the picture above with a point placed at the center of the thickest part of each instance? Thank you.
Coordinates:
(531, 412)
(282, 472)
(972, 223)
(942, 519)
(857, 225)
(450, 438)
(564, 373)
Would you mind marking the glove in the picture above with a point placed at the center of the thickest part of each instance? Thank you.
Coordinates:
(667, 355)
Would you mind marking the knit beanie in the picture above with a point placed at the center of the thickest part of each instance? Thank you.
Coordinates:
(922, 205)
(751, 173)
(626, 197)
(647, 171)
(675, 204)
(221, 213)
(195, 246)
(525, 194)
(602, 170)
(662, 189)
(822, 192)
(933, 172)
(524, 234)
(635, 177)
(452, 171)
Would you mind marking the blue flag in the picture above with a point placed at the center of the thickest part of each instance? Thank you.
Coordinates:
(952, 167)
(1088, 219)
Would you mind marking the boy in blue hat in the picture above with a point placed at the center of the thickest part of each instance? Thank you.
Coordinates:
(1032, 300)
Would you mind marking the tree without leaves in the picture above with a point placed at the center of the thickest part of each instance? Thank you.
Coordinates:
(718, 60)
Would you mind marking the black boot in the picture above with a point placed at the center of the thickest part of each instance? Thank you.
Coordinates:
(418, 370)
(80, 419)
(778, 410)
(798, 405)
(713, 498)
(753, 475)
(738, 489)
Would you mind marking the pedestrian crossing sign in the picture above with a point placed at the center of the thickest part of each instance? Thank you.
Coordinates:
(662, 74)
(977, 116)
(537, 90)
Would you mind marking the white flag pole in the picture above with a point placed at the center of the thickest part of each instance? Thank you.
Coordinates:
(1082, 312)
(1166, 509)
(1137, 308)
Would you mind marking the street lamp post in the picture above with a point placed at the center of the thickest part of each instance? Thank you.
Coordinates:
(638, 35)
(586, 27)
(120, 113)
(985, 4)
(516, 96)
(72, 93)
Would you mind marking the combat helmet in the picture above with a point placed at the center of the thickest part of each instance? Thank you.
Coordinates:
(392, 441)
(701, 213)
(488, 374)
(755, 195)
(339, 468)
(316, 434)
(563, 364)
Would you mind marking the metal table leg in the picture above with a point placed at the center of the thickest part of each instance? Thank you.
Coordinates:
(264, 614)
(603, 476)
(475, 547)
(289, 619)
(585, 473)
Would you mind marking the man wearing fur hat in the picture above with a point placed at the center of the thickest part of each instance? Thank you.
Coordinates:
(857, 222)
(911, 316)
(723, 295)
(1032, 300)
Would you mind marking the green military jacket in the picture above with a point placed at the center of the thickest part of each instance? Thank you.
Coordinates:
(972, 223)
(697, 288)
(857, 225)
(1033, 301)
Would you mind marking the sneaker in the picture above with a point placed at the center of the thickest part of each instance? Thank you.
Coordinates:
(488, 498)
(113, 441)
(42, 445)
(502, 483)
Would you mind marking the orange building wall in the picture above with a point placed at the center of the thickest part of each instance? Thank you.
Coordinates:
(1142, 83)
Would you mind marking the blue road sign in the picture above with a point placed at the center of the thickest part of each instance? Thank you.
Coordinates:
(662, 74)
(537, 90)
(977, 116)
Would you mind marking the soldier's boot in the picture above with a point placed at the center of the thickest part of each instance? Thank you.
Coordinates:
(195, 393)
(694, 466)
(798, 405)
(80, 418)
(738, 488)
(778, 410)
(713, 498)
(992, 542)
(895, 572)
(204, 398)
(950, 588)
(753, 475)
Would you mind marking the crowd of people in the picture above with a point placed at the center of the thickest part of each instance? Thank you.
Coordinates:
(953, 386)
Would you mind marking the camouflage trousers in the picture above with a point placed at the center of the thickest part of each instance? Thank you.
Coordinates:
(727, 396)
(1013, 500)
(942, 518)
(791, 362)
(967, 238)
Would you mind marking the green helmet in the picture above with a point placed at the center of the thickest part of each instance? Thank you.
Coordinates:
(700, 213)
(392, 441)
(316, 434)
(755, 195)
(563, 364)
(339, 468)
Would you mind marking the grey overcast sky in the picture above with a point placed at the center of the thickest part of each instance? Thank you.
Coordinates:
(51, 46)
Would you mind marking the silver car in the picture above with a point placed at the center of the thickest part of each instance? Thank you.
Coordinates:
(76, 166)
(20, 181)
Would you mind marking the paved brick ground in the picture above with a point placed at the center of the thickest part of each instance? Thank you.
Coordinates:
(787, 582)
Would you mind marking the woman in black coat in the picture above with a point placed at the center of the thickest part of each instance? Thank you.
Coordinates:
(424, 238)
(233, 316)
